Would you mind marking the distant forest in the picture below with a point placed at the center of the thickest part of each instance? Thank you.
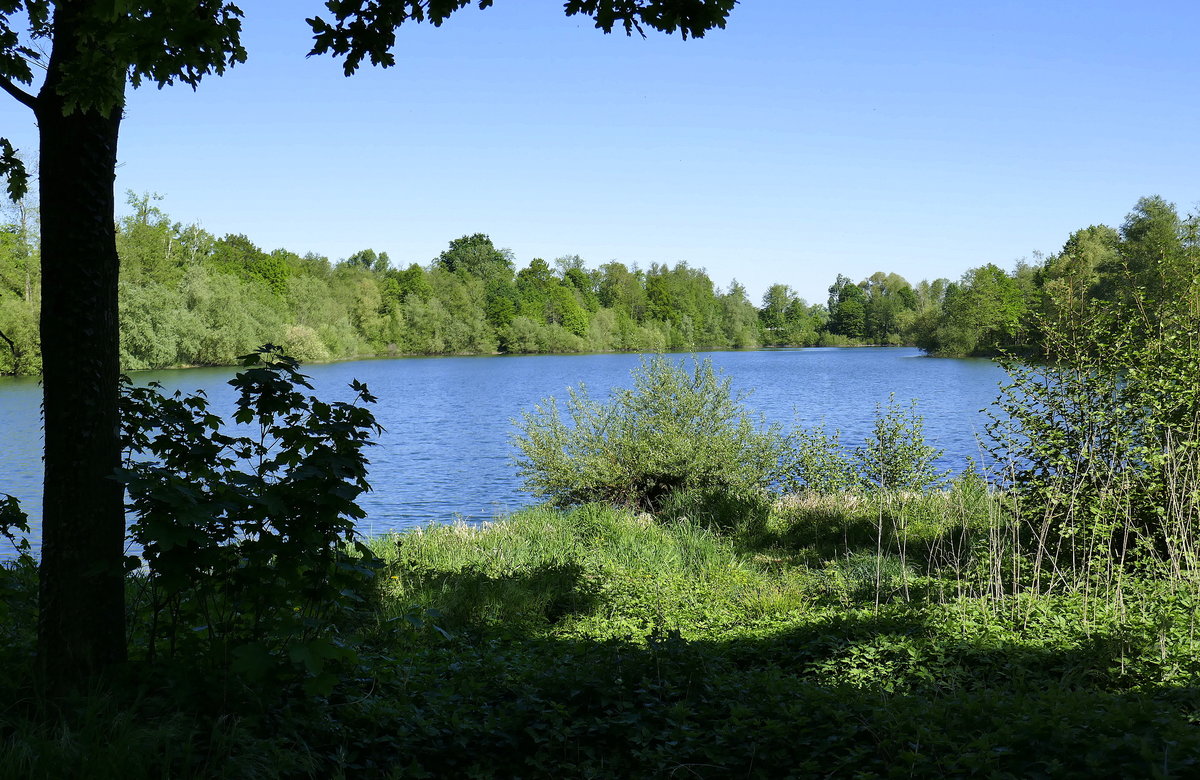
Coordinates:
(190, 298)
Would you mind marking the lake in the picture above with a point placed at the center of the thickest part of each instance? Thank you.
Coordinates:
(446, 453)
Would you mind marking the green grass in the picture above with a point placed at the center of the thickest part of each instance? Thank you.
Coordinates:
(843, 637)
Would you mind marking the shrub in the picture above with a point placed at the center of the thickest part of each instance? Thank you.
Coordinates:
(1102, 445)
(676, 430)
(820, 463)
(244, 537)
(895, 458)
(304, 343)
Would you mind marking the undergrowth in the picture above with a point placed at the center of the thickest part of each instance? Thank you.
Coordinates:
(597, 642)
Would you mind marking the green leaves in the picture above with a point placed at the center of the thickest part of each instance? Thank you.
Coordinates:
(14, 525)
(367, 30)
(1101, 446)
(674, 431)
(15, 57)
(12, 170)
(101, 43)
(894, 459)
(246, 536)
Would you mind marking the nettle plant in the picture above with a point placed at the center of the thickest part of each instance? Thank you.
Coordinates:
(249, 556)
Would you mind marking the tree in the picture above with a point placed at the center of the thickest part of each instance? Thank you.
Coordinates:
(887, 295)
(96, 48)
(775, 303)
(739, 317)
(1069, 281)
(786, 318)
(478, 256)
(1156, 263)
(983, 314)
(366, 258)
(623, 290)
(847, 309)
(19, 288)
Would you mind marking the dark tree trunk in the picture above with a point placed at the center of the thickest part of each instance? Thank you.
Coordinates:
(81, 629)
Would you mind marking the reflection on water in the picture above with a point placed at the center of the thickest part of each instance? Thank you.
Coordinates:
(446, 451)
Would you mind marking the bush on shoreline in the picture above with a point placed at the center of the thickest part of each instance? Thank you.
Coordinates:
(677, 437)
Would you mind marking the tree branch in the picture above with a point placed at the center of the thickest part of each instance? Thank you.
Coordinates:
(19, 94)
(16, 357)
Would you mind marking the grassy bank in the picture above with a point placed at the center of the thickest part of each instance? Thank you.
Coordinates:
(842, 636)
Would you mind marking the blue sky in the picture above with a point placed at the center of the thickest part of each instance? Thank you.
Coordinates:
(805, 140)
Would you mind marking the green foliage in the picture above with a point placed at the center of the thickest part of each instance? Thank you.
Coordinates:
(476, 255)
(942, 533)
(370, 33)
(100, 45)
(847, 309)
(244, 538)
(1100, 442)
(595, 643)
(305, 344)
(566, 571)
(12, 171)
(786, 319)
(589, 641)
(1103, 446)
(1130, 277)
(20, 346)
(155, 326)
(673, 431)
(740, 510)
(14, 526)
(187, 298)
(820, 463)
(524, 336)
(895, 458)
(18, 590)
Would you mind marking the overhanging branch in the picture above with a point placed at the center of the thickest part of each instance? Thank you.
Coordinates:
(20, 95)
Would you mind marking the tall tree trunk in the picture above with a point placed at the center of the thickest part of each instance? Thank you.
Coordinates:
(81, 629)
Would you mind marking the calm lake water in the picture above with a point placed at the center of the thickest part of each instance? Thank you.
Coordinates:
(446, 453)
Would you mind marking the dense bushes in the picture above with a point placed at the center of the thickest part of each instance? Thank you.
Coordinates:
(675, 432)
(681, 443)
(1103, 445)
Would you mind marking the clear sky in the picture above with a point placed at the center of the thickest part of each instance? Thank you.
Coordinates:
(805, 140)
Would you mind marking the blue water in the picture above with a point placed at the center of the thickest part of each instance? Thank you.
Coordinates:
(446, 452)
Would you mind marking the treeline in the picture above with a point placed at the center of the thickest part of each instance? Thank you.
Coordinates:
(190, 298)
(1152, 260)
(1149, 265)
